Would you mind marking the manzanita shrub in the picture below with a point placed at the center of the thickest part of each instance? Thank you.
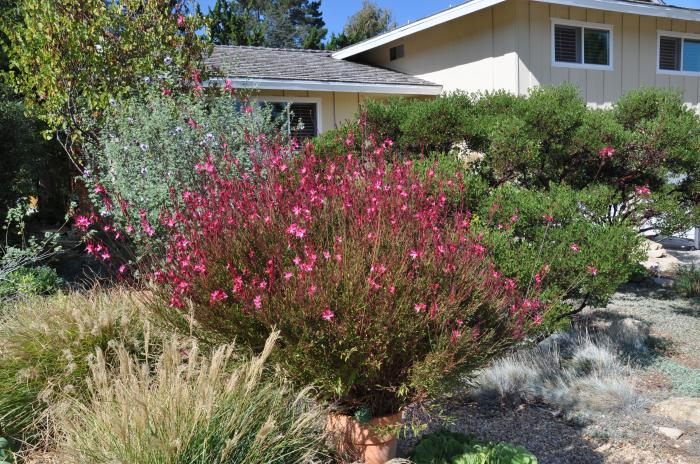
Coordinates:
(381, 294)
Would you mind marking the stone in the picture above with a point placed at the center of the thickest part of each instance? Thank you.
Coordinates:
(656, 254)
(630, 333)
(649, 245)
(670, 432)
(664, 267)
(680, 409)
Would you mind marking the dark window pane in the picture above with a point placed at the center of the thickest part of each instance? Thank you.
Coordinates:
(670, 53)
(303, 120)
(596, 46)
(567, 44)
(396, 52)
(691, 55)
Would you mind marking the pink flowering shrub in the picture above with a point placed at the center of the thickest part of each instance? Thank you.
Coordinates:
(381, 294)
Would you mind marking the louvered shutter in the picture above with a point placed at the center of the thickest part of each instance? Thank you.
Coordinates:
(306, 114)
(670, 53)
(567, 44)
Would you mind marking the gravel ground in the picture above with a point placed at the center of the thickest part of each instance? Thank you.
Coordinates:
(670, 368)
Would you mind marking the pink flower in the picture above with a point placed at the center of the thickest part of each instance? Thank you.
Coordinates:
(548, 218)
(606, 152)
(414, 254)
(592, 270)
(642, 191)
(537, 319)
(455, 335)
(297, 231)
(105, 255)
(122, 269)
(328, 315)
(575, 248)
(180, 21)
(83, 222)
(167, 92)
(420, 307)
(257, 302)
(217, 296)
(288, 276)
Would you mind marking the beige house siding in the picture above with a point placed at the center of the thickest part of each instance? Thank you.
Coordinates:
(335, 108)
(509, 46)
(634, 53)
(473, 52)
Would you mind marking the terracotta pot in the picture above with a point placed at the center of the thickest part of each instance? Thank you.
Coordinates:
(362, 442)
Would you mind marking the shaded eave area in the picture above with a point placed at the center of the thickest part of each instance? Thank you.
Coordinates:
(308, 70)
(640, 7)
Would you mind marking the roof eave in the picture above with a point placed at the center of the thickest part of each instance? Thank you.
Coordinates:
(473, 6)
(333, 86)
(417, 26)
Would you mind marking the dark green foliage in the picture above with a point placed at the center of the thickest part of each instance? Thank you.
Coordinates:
(642, 156)
(446, 447)
(270, 23)
(29, 164)
(688, 281)
(578, 260)
(30, 281)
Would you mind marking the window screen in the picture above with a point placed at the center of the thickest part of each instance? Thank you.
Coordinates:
(670, 53)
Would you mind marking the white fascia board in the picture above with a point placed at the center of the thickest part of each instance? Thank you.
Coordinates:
(651, 9)
(473, 6)
(412, 28)
(323, 86)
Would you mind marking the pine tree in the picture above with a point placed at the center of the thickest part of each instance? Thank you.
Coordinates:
(271, 23)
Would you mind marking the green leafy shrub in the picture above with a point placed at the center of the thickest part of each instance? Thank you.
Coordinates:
(687, 281)
(148, 152)
(45, 346)
(643, 150)
(546, 239)
(446, 447)
(190, 408)
(30, 281)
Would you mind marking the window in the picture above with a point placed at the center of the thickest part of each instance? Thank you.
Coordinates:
(396, 52)
(679, 53)
(298, 118)
(582, 44)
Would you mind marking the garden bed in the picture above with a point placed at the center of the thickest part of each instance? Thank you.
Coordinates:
(668, 368)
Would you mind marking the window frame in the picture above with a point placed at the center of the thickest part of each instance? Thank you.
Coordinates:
(290, 100)
(677, 35)
(583, 25)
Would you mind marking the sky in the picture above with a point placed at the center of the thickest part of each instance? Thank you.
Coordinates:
(336, 12)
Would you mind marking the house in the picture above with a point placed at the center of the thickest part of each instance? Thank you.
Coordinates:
(604, 47)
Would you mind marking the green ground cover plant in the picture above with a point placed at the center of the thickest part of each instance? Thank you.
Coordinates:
(445, 447)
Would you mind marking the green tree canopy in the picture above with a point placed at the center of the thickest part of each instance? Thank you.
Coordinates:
(270, 23)
(370, 21)
(71, 58)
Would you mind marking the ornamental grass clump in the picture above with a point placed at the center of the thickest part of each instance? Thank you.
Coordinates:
(191, 408)
(45, 346)
(381, 295)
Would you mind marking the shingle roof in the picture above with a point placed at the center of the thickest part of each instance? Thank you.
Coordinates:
(304, 65)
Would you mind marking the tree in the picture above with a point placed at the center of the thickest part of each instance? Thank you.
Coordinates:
(271, 23)
(370, 21)
(70, 59)
(236, 23)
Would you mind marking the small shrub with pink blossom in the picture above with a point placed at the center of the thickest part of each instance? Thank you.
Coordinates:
(381, 293)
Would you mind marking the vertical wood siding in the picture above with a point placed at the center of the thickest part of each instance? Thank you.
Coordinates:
(509, 46)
